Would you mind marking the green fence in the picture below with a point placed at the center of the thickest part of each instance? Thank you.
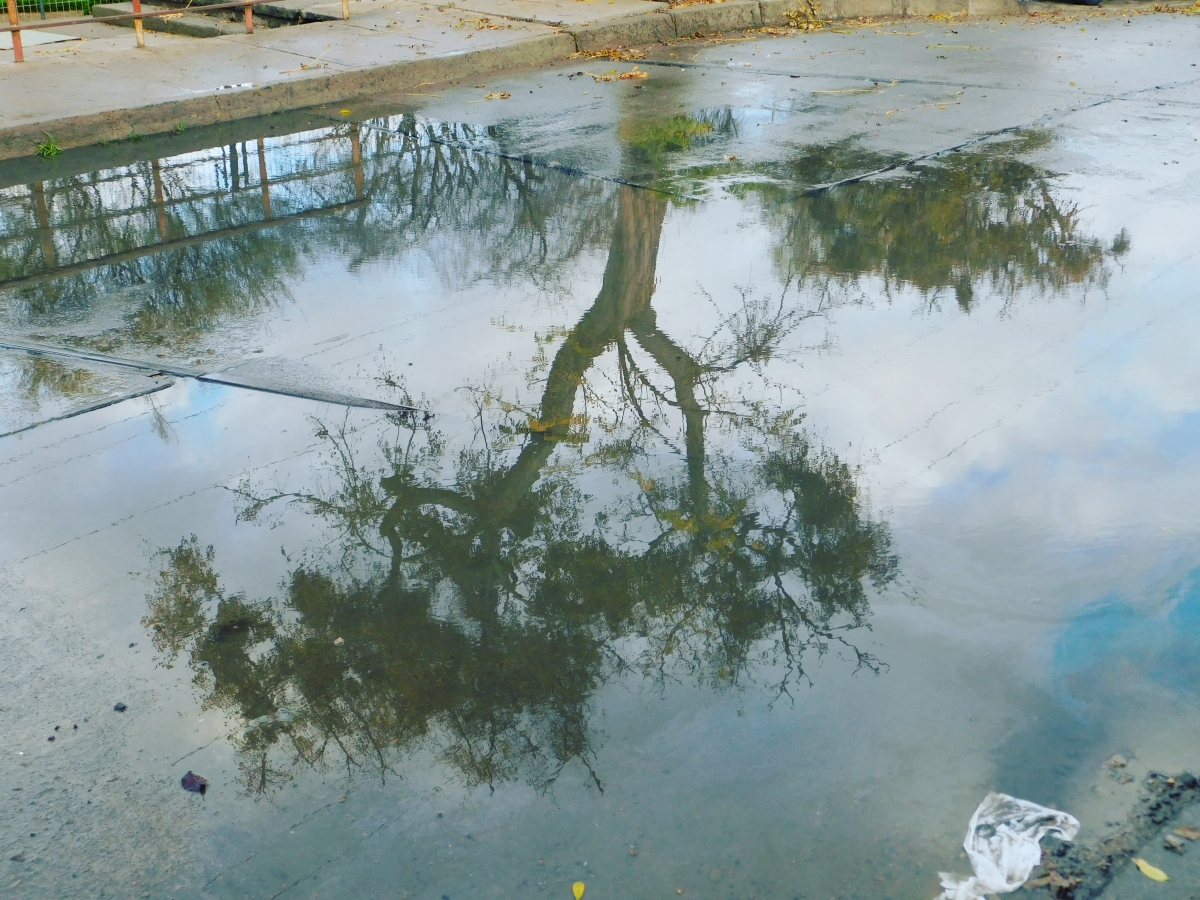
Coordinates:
(78, 7)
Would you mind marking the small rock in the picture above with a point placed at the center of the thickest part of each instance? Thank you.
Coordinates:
(50, 738)
(339, 641)
(194, 783)
(20, 857)
(1173, 842)
(120, 707)
(1116, 761)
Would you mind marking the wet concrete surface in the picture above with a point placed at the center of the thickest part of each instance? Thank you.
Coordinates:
(767, 513)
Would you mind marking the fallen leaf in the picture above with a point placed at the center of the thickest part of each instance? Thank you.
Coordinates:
(1116, 761)
(1187, 831)
(616, 54)
(635, 72)
(345, 112)
(1151, 872)
(1174, 843)
(1058, 881)
(497, 95)
(577, 889)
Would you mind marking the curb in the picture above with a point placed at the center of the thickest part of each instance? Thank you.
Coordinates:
(638, 30)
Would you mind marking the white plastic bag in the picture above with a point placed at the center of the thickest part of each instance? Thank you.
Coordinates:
(1003, 844)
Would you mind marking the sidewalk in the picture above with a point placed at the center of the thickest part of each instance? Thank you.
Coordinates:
(104, 89)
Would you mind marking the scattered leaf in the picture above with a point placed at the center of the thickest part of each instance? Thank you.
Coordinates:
(577, 889)
(1187, 831)
(616, 54)
(1051, 880)
(497, 95)
(345, 112)
(635, 72)
(1152, 872)
(1173, 843)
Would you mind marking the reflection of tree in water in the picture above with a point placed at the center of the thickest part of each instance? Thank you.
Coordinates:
(492, 613)
(167, 299)
(478, 615)
(476, 215)
(39, 374)
(975, 217)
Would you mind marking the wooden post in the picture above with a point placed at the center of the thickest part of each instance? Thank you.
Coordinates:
(160, 204)
(42, 211)
(137, 24)
(249, 19)
(356, 159)
(262, 179)
(18, 51)
(345, 9)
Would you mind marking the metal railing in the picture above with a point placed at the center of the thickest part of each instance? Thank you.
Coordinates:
(16, 27)
(168, 205)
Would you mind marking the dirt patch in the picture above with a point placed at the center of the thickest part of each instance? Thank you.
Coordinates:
(1074, 872)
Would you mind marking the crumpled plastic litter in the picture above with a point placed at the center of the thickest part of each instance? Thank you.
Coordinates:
(1003, 844)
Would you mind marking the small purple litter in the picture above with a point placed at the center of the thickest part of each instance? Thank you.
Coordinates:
(194, 783)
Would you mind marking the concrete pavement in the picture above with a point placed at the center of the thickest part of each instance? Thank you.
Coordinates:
(102, 88)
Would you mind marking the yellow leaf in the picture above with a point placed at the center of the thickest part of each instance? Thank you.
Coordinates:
(1150, 871)
(345, 112)
(577, 889)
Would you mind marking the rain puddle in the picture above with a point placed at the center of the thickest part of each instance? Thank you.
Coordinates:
(485, 508)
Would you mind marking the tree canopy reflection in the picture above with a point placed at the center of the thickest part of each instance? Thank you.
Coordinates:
(479, 597)
(475, 614)
(406, 188)
(974, 218)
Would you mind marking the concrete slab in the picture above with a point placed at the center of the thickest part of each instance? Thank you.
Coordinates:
(560, 12)
(35, 39)
(996, 346)
(36, 391)
(184, 24)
